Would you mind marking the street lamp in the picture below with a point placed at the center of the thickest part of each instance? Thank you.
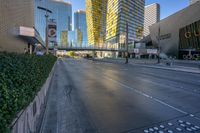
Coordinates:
(46, 34)
(159, 49)
(126, 43)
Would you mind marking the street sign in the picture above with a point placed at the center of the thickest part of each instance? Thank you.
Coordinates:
(52, 28)
(152, 51)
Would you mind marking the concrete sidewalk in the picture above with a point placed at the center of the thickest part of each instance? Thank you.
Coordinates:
(190, 67)
(173, 67)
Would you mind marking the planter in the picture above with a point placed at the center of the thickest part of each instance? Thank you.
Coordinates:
(29, 119)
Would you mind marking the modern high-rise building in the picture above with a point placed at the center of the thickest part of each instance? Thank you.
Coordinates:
(96, 21)
(81, 25)
(151, 16)
(121, 13)
(17, 32)
(193, 1)
(75, 38)
(64, 38)
(61, 15)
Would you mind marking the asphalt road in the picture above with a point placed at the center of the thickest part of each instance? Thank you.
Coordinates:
(98, 97)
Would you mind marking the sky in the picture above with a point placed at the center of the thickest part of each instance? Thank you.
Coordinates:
(168, 7)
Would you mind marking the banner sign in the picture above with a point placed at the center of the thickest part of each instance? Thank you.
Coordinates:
(52, 28)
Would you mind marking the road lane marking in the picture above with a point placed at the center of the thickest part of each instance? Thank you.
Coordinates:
(148, 96)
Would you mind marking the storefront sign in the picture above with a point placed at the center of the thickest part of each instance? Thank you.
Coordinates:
(165, 36)
(194, 33)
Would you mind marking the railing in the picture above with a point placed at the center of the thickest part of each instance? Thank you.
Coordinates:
(90, 48)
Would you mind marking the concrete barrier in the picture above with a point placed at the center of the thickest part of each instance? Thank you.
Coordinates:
(28, 120)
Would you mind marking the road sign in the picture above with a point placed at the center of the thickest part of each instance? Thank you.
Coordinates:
(152, 51)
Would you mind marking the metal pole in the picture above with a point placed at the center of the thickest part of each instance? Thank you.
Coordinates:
(126, 43)
(46, 29)
(47, 40)
(159, 45)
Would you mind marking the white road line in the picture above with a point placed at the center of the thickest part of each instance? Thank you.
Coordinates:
(148, 96)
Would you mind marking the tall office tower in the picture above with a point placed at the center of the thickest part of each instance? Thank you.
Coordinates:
(193, 1)
(61, 15)
(96, 21)
(120, 13)
(81, 25)
(64, 38)
(75, 38)
(16, 25)
(151, 16)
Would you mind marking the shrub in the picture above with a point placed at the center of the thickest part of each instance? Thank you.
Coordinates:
(21, 77)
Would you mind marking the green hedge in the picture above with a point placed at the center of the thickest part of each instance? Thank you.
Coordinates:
(21, 77)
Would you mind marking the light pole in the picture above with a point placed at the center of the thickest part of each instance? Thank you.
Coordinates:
(159, 45)
(46, 29)
(126, 43)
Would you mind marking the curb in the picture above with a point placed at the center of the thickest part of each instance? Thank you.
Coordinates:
(164, 68)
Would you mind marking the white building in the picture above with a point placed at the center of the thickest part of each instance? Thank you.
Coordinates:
(151, 16)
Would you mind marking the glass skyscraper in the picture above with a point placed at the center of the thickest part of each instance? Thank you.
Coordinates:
(61, 14)
(120, 12)
(81, 25)
(106, 20)
(96, 21)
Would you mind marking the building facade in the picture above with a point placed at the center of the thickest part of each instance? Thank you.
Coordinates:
(96, 22)
(64, 38)
(121, 13)
(179, 37)
(17, 32)
(61, 15)
(81, 25)
(151, 16)
(193, 1)
(75, 38)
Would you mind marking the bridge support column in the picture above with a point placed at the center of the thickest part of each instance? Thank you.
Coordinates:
(93, 54)
(117, 54)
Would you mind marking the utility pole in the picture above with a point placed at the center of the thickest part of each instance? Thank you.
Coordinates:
(126, 43)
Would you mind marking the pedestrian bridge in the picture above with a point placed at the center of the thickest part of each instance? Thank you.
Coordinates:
(88, 49)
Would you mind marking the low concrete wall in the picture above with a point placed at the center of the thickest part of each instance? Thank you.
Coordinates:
(28, 120)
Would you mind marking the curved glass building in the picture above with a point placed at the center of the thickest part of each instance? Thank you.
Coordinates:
(81, 25)
(96, 22)
(61, 15)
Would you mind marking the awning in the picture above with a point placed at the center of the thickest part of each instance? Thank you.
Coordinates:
(30, 35)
